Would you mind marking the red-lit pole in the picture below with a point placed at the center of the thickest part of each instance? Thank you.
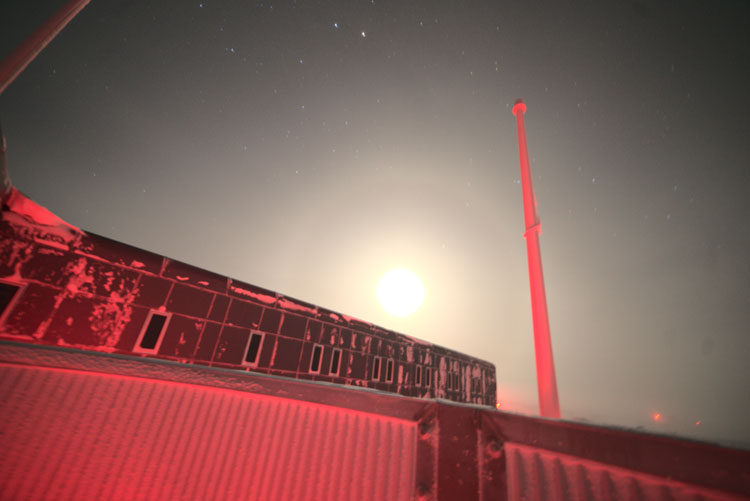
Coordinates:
(20, 58)
(549, 405)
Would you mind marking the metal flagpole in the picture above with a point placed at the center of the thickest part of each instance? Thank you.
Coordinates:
(19, 59)
(549, 406)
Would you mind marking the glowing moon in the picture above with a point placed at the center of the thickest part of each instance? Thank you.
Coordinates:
(400, 292)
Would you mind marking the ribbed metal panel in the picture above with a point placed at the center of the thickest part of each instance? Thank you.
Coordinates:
(539, 474)
(68, 434)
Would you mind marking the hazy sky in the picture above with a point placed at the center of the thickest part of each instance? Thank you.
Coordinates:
(309, 147)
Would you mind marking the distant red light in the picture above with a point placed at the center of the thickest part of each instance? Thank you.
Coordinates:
(697, 423)
(657, 417)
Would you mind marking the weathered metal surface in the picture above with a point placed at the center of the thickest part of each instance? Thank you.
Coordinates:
(457, 451)
(539, 474)
(79, 424)
(671, 458)
(80, 435)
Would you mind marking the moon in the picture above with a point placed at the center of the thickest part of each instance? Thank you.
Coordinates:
(400, 292)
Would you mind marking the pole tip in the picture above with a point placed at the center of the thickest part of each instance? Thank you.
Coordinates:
(519, 106)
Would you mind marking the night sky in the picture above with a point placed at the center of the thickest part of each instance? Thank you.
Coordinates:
(309, 147)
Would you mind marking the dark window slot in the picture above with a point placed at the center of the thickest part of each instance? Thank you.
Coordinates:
(153, 331)
(389, 371)
(7, 293)
(376, 369)
(418, 378)
(253, 348)
(335, 362)
(428, 378)
(315, 362)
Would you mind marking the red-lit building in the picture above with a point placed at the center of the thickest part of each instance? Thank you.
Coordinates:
(129, 375)
(64, 287)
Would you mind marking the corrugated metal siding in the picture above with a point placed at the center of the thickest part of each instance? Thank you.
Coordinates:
(66, 434)
(539, 474)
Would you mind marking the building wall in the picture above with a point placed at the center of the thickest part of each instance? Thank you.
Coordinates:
(88, 425)
(83, 435)
(89, 292)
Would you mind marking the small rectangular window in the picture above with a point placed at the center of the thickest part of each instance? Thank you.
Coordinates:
(315, 361)
(252, 351)
(448, 381)
(389, 371)
(335, 362)
(376, 369)
(9, 293)
(428, 377)
(418, 377)
(455, 382)
(152, 332)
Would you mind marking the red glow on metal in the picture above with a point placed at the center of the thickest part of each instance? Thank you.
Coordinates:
(108, 436)
(139, 428)
(19, 59)
(549, 405)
